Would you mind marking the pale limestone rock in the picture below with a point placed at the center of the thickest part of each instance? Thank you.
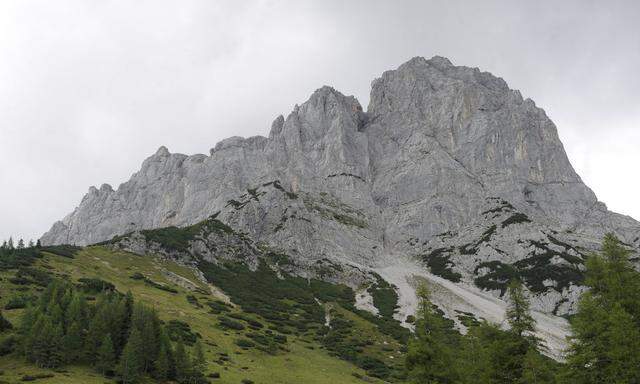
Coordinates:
(438, 146)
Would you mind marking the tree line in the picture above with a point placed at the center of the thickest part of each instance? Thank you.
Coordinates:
(9, 245)
(604, 346)
(114, 334)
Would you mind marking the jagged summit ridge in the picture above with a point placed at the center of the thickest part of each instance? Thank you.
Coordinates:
(436, 144)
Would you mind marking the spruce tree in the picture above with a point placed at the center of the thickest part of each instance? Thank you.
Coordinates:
(131, 365)
(72, 342)
(164, 366)
(199, 362)
(429, 359)
(537, 369)
(605, 340)
(182, 363)
(518, 312)
(106, 358)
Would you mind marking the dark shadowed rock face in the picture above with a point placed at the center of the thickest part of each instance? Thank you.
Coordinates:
(439, 146)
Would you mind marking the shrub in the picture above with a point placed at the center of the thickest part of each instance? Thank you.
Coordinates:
(8, 345)
(92, 285)
(5, 324)
(36, 377)
(64, 250)
(179, 330)
(226, 322)
(218, 306)
(245, 343)
(439, 264)
(17, 302)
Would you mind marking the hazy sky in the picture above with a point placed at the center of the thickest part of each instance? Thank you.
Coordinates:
(89, 89)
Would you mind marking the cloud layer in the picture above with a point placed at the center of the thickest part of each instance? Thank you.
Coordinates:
(88, 89)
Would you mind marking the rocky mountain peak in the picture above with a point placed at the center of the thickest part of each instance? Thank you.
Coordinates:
(448, 168)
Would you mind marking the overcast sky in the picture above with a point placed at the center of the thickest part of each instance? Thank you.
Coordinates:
(89, 89)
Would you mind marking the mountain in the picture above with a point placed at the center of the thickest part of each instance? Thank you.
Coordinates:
(449, 177)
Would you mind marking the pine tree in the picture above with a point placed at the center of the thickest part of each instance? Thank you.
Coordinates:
(473, 360)
(131, 365)
(429, 359)
(72, 342)
(182, 363)
(164, 366)
(518, 313)
(20, 244)
(537, 369)
(45, 344)
(106, 358)
(10, 243)
(199, 362)
(31, 244)
(77, 311)
(38, 245)
(605, 340)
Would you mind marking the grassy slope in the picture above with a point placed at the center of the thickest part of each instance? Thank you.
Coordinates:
(306, 361)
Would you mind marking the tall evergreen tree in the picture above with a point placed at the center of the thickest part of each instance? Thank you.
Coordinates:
(605, 343)
(72, 342)
(164, 366)
(429, 359)
(518, 312)
(199, 362)
(131, 365)
(106, 358)
(182, 363)
(537, 369)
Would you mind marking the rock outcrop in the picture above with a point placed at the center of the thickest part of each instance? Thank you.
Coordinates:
(443, 157)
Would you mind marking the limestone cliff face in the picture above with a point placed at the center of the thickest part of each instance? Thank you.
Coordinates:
(438, 147)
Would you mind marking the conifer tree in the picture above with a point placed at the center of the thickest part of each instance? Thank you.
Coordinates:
(162, 365)
(429, 359)
(518, 313)
(106, 358)
(20, 244)
(72, 342)
(182, 363)
(605, 341)
(165, 364)
(131, 365)
(199, 363)
(537, 369)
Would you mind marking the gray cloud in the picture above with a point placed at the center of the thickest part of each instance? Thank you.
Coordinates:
(88, 89)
